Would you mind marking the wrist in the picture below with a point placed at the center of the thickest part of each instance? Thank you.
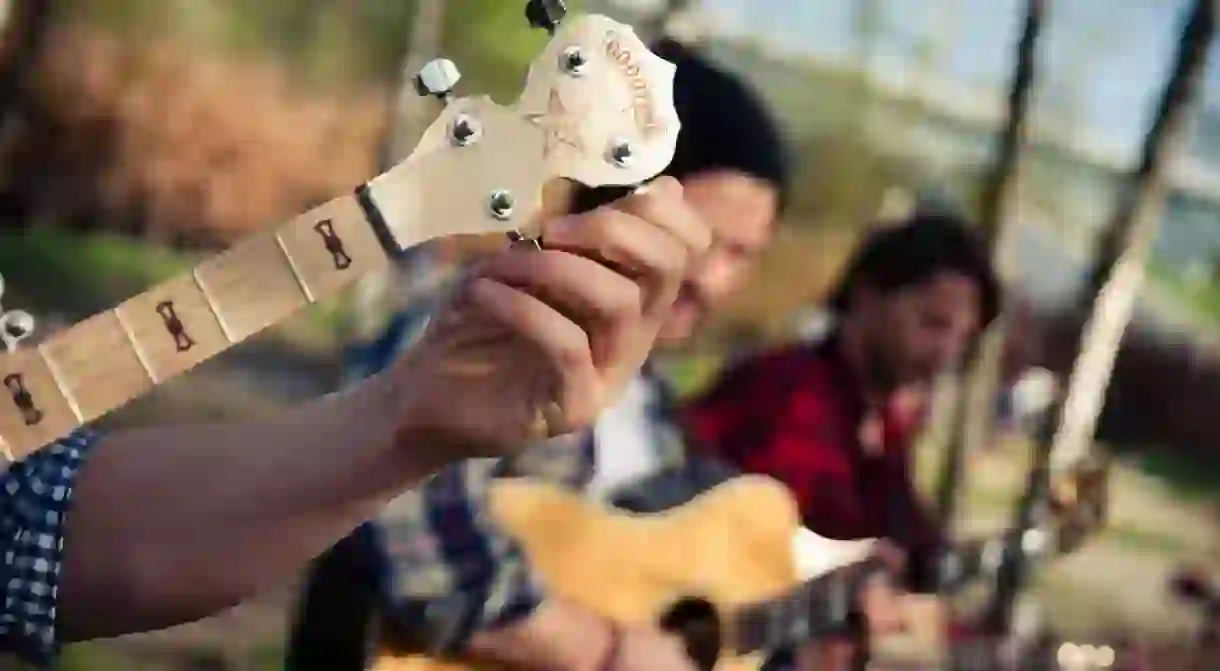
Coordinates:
(393, 414)
(610, 651)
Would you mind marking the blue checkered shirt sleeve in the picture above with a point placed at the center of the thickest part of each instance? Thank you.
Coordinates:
(34, 496)
(449, 570)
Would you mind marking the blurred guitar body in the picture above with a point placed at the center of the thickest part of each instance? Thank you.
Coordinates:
(729, 548)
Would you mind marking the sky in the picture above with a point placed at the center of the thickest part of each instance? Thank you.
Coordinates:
(1104, 59)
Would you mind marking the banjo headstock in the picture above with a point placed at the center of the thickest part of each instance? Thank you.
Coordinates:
(597, 108)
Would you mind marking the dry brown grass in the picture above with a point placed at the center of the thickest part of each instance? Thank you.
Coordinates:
(182, 145)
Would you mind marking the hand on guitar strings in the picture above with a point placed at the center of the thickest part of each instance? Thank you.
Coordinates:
(542, 337)
(880, 595)
(874, 607)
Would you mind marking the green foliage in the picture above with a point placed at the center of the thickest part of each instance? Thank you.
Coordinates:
(77, 273)
(122, 15)
(333, 41)
(492, 44)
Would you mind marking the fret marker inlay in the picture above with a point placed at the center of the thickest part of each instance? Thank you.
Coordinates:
(334, 244)
(153, 335)
(329, 246)
(34, 409)
(182, 340)
(23, 399)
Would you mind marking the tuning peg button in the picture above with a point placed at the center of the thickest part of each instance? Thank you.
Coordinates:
(15, 326)
(545, 14)
(437, 78)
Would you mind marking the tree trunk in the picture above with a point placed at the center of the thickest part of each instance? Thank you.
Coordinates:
(408, 116)
(868, 26)
(25, 28)
(1115, 280)
(411, 112)
(975, 406)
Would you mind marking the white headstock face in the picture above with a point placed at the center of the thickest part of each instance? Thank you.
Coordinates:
(15, 325)
(604, 103)
(597, 108)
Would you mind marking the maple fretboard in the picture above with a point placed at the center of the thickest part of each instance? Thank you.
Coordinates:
(112, 357)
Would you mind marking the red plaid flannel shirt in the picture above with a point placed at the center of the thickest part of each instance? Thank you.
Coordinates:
(796, 415)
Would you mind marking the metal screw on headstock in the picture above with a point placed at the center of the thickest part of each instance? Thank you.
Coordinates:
(500, 204)
(15, 325)
(437, 78)
(465, 130)
(620, 153)
(573, 62)
(545, 14)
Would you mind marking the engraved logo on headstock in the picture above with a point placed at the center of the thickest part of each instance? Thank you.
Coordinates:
(173, 324)
(626, 126)
(30, 414)
(557, 124)
(334, 244)
(641, 107)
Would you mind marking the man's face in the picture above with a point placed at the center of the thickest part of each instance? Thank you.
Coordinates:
(917, 332)
(741, 212)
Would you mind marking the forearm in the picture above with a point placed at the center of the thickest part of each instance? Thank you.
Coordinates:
(171, 524)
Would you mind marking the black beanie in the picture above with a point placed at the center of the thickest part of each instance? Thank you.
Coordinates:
(725, 125)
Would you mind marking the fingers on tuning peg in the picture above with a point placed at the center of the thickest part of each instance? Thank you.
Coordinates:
(437, 78)
(545, 14)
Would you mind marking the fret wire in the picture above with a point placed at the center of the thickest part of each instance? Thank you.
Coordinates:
(297, 273)
(184, 321)
(773, 623)
(803, 630)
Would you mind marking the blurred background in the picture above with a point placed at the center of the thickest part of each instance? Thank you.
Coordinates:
(139, 136)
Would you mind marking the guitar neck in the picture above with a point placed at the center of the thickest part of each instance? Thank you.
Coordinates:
(821, 607)
(815, 609)
(110, 358)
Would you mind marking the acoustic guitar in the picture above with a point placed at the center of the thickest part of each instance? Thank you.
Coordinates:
(731, 571)
(597, 109)
(734, 561)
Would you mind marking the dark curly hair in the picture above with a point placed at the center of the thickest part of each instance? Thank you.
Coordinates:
(895, 257)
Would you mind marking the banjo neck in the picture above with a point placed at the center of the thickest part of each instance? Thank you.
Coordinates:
(596, 108)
